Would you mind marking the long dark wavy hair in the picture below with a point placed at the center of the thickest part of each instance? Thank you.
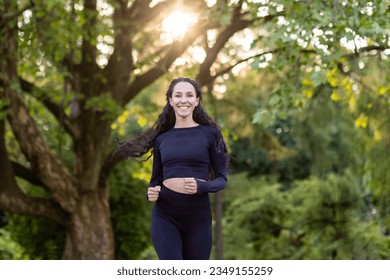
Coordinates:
(142, 144)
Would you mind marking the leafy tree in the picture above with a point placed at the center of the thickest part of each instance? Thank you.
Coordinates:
(332, 51)
(318, 219)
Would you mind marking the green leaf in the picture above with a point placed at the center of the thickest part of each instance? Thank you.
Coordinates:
(274, 100)
(318, 78)
(263, 117)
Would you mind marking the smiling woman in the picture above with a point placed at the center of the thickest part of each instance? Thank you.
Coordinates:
(190, 160)
(176, 24)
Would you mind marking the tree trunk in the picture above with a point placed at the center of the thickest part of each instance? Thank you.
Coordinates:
(89, 231)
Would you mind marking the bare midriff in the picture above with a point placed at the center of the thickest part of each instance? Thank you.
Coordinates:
(177, 184)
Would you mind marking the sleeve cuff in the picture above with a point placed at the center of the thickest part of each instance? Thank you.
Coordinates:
(202, 187)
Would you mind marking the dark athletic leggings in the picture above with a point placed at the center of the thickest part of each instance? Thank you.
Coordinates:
(181, 226)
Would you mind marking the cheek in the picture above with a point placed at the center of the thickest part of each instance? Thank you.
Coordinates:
(175, 100)
(193, 101)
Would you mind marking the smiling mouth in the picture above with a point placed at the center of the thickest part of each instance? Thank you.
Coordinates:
(184, 107)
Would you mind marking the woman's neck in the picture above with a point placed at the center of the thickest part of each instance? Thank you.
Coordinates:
(185, 123)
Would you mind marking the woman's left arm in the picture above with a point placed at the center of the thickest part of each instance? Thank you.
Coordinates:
(218, 162)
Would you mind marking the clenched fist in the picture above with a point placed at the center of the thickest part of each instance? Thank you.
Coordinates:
(153, 193)
(190, 185)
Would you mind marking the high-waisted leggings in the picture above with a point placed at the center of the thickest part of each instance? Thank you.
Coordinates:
(181, 226)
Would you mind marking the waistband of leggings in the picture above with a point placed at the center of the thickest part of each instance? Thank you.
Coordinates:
(183, 203)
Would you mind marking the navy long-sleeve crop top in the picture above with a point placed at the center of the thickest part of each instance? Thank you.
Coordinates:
(190, 152)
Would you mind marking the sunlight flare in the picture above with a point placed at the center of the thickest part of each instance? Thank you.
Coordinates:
(177, 23)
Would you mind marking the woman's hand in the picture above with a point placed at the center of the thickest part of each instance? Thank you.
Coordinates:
(153, 193)
(190, 185)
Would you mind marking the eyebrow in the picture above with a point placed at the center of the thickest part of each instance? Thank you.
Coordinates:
(185, 92)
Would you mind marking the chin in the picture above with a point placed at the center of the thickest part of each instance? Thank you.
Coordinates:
(184, 116)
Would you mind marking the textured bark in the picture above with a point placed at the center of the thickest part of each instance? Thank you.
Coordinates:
(49, 169)
(89, 231)
(14, 200)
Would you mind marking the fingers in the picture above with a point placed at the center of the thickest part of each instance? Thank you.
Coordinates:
(153, 193)
(190, 185)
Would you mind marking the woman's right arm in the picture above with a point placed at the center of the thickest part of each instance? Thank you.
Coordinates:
(157, 171)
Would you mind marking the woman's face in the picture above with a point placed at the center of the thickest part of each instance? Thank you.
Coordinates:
(184, 99)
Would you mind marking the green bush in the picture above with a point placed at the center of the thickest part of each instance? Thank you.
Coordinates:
(317, 219)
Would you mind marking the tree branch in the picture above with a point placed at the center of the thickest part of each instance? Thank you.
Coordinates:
(137, 8)
(47, 167)
(128, 21)
(229, 68)
(141, 14)
(360, 51)
(10, 17)
(161, 67)
(53, 107)
(237, 23)
(68, 61)
(351, 55)
(27, 174)
(12, 199)
(120, 63)
(88, 64)
(26, 205)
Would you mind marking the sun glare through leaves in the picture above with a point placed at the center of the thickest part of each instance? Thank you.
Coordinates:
(177, 24)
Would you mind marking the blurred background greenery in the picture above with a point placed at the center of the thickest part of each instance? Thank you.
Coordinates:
(301, 90)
